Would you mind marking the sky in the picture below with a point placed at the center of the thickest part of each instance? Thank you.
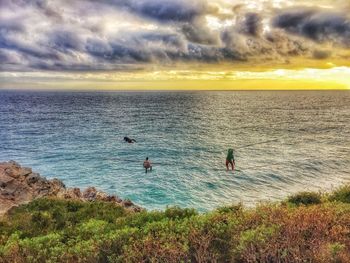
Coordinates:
(174, 44)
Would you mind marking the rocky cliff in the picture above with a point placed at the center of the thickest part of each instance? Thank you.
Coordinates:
(20, 185)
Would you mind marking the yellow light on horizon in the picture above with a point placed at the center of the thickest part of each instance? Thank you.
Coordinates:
(205, 79)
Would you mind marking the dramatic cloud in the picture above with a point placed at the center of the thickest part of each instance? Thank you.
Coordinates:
(253, 24)
(176, 10)
(89, 35)
(199, 32)
(318, 25)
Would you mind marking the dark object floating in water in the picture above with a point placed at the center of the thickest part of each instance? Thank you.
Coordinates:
(129, 140)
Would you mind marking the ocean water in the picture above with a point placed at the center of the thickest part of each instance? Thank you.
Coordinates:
(284, 142)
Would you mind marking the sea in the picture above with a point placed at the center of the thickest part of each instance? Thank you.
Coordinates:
(284, 142)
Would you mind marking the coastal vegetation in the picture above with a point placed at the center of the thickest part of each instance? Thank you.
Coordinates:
(306, 227)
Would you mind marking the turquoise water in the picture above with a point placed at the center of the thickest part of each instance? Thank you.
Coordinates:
(78, 137)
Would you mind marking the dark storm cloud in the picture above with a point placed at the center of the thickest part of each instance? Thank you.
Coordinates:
(160, 47)
(17, 45)
(285, 45)
(175, 10)
(64, 41)
(198, 32)
(252, 24)
(317, 25)
(10, 25)
(98, 48)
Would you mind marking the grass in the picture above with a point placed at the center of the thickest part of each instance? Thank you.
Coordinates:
(308, 227)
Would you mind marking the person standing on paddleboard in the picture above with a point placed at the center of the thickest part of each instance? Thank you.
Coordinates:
(230, 159)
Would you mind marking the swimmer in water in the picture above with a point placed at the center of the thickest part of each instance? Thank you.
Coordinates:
(147, 165)
(128, 140)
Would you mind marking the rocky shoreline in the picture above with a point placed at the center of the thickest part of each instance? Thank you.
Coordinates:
(20, 185)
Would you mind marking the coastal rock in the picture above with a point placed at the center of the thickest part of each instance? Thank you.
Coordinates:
(127, 203)
(20, 185)
(90, 194)
(5, 180)
(72, 193)
(16, 171)
(32, 178)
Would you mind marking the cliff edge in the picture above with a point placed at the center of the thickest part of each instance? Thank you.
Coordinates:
(20, 185)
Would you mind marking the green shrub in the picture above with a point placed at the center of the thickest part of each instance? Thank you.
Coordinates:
(179, 213)
(140, 219)
(305, 198)
(49, 230)
(230, 209)
(256, 237)
(342, 194)
(42, 216)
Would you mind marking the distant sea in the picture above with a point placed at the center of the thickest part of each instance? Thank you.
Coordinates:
(284, 141)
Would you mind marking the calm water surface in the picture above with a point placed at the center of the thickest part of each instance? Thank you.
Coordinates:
(78, 137)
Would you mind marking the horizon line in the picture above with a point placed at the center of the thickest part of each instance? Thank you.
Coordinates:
(161, 90)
